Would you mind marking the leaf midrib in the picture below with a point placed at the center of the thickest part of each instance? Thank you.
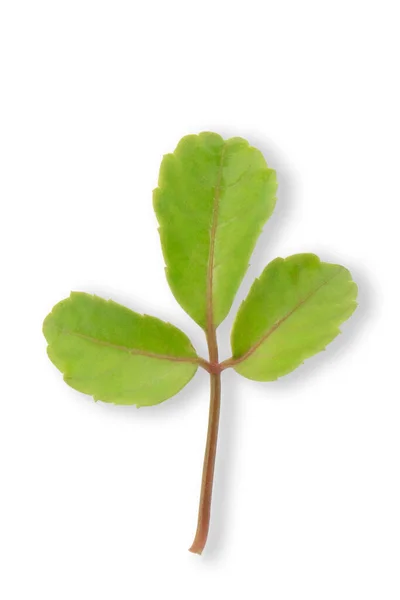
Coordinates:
(213, 233)
(132, 351)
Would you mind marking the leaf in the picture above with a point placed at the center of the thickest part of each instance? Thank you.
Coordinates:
(213, 199)
(116, 355)
(292, 312)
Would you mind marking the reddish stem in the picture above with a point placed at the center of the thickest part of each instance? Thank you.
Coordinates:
(203, 523)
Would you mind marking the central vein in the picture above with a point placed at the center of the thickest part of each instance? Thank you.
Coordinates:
(211, 258)
(133, 351)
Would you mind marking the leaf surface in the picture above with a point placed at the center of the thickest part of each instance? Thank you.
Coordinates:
(116, 355)
(213, 199)
(292, 312)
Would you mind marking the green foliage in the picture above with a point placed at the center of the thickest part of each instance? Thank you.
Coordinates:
(292, 312)
(115, 354)
(213, 199)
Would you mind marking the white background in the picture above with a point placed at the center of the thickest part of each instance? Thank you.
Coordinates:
(100, 501)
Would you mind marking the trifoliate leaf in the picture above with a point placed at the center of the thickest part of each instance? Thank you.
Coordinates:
(213, 199)
(292, 312)
(116, 355)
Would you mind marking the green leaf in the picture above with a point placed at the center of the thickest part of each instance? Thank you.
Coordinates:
(116, 355)
(292, 312)
(213, 199)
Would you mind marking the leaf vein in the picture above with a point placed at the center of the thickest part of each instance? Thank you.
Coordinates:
(213, 233)
(132, 351)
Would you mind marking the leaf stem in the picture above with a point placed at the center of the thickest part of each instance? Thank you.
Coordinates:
(203, 522)
(202, 362)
